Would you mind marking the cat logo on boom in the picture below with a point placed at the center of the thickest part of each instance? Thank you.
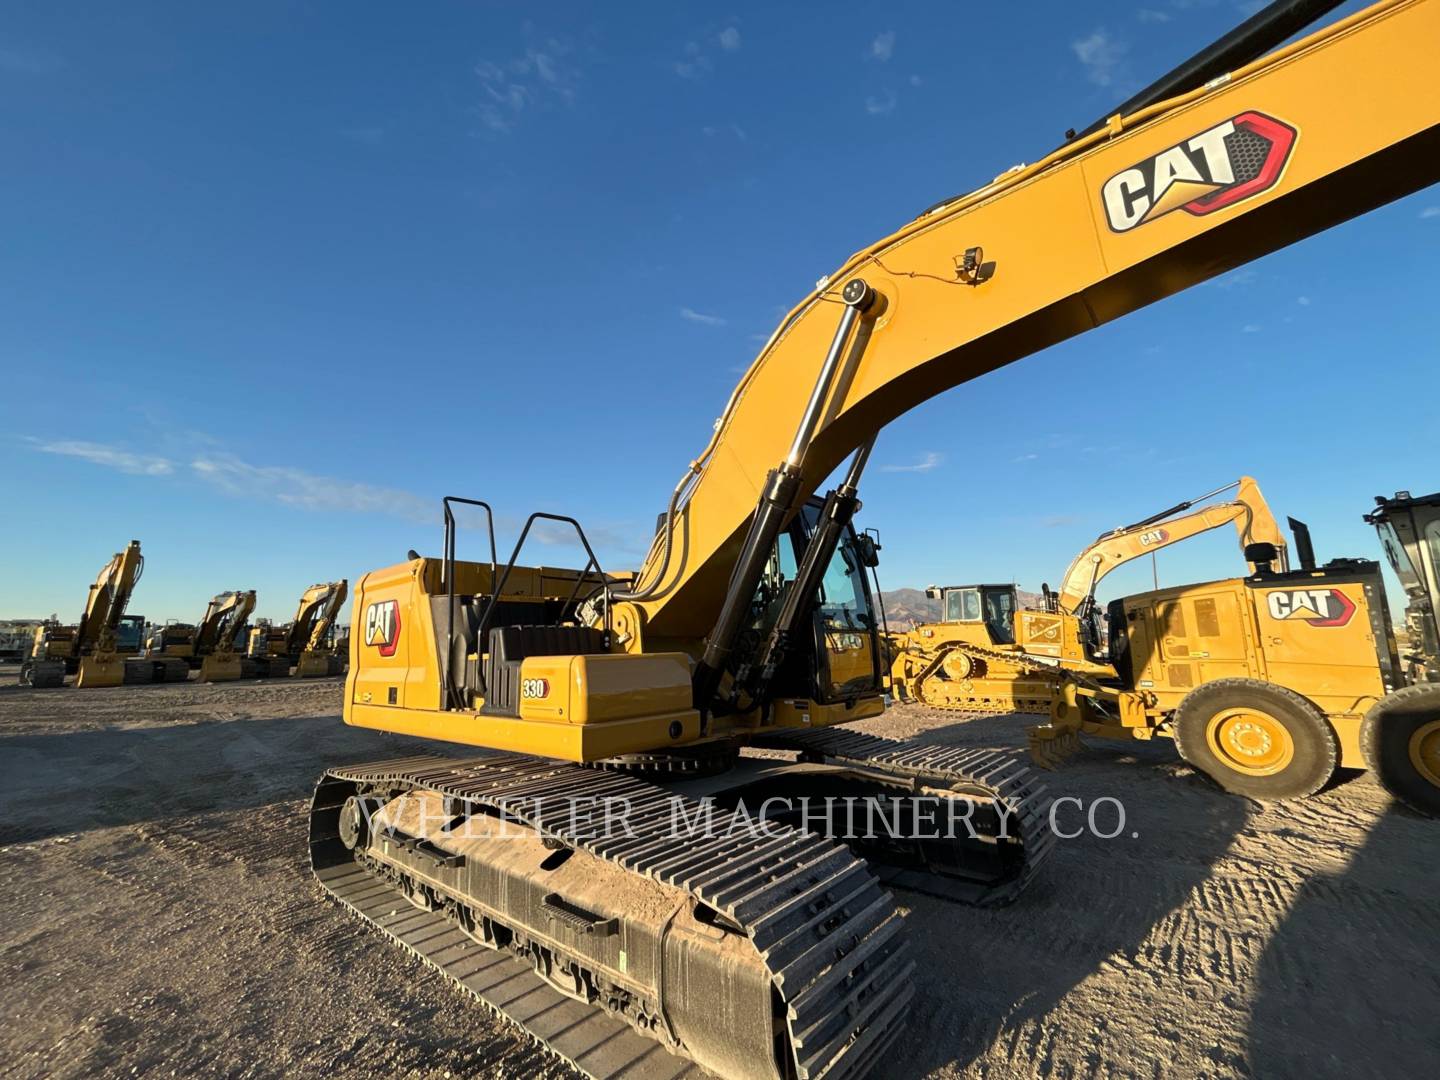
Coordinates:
(1217, 168)
(382, 626)
(1318, 607)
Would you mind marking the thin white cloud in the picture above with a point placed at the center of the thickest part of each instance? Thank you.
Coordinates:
(931, 460)
(1026, 457)
(1430, 212)
(305, 490)
(1303, 301)
(1101, 55)
(109, 457)
(883, 47)
(1152, 15)
(881, 105)
(915, 80)
(691, 315)
(729, 39)
(1250, 328)
(543, 76)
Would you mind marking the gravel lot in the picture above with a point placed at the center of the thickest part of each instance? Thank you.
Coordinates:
(159, 917)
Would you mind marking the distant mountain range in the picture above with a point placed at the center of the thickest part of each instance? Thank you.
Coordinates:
(902, 606)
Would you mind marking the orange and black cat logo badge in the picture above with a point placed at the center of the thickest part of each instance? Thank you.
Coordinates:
(1219, 167)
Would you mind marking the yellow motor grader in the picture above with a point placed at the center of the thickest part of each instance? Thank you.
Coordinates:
(1270, 682)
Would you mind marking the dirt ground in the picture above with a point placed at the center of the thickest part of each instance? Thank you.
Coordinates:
(159, 918)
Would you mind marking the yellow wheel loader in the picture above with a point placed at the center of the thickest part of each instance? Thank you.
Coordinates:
(605, 867)
(1270, 682)
(989, 654)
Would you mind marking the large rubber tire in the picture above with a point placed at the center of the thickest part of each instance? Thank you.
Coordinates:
(1401, 742)
(1256, 739)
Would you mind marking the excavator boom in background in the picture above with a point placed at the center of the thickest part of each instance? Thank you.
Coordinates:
(751, 621)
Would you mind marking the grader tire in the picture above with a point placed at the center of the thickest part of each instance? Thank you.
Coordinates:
(1401, 742)
(1256, 739)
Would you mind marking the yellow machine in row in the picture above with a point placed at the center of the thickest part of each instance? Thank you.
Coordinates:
(93, 650)
(989, 654)
(1270, 682)
(595, 872)
(306, 642)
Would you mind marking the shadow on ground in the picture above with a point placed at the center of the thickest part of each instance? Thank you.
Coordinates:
(60, 783)
(989, 980)
(1366, 934)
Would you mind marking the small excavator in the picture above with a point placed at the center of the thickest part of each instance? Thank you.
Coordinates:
(207, 646)
(91, 650)
(305, 642)
(988, 654)
(606, 868)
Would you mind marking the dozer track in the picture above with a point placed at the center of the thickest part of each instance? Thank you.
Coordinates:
(1027, 688)
(1019, 799)
(779, 956)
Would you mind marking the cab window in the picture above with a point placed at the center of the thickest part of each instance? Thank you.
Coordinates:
(962, 605)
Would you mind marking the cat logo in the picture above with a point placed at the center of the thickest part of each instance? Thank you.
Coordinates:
(1220, 167)
(382, 626)
(1318, 607)
(1151, 537)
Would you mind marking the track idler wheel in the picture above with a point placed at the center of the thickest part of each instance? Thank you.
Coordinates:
(354, 823)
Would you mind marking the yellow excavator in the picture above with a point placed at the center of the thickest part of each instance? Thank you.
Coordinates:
(989, 654)
(305, 643)
(210, 644)
(91, 650)
(607, 870)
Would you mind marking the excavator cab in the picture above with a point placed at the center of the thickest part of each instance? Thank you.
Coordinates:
(842, 662)
(1409, 529)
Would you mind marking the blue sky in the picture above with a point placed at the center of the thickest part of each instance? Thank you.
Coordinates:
(275, 277)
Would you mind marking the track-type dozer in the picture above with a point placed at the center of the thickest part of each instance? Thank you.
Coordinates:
(624, 920)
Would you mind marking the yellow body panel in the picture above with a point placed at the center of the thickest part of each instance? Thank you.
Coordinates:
(220, 667)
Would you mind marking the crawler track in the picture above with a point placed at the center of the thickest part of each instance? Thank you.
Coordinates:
(987, 775)
(817, 918)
